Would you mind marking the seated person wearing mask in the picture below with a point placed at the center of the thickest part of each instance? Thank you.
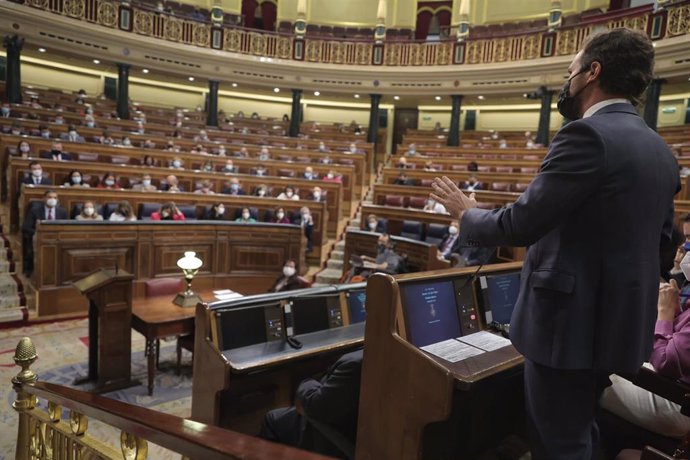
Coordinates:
(333, 400)
(56, 153)
(261, 191)
(176, 163)
(280, 217)
(233, 187)
(309, 173)
(316, 194)
(402, 163)
(36, 176)
(217, 212)
(172, 184)
(332, 176)
(123, 213)
(374, 224)
(23, 149)
(167, 211)
(402, 180)
(434, 206)
(259, 171)
(246, 217)
(306, 221)
(264, 154)
(289, 280)
(205, 188)
(450, 243)
(387, 260)
(411, 150)
(75, 179)
(145, 185)
(472, 184)
(48, 209)
(88, 212)
(229, 167)
(288, 194)
(108, 181)
(669, 358)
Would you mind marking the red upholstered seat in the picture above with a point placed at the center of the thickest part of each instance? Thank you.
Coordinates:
(500, 186)
(394, 200)
(417, 202)
(529, 170)
(504, 169)
(458, 167)
(484, 168)
(162, 286)
(519, 187)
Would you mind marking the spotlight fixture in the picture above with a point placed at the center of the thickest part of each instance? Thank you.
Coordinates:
(191, 78)
(316, 93)
(480, 97)
(234, 85)
(438, 98)
(397, 98)
(356, 96)
(41, 50)
(96, 61)
(145, 70)
(276, 90)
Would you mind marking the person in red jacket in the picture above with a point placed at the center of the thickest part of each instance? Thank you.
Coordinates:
(168, 211)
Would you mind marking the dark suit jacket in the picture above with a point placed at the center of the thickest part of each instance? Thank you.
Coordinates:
(36, 212)
(334, 399)
(30, 180)
(294, 282)
(455, 247)
(593, 218)
(49, 156)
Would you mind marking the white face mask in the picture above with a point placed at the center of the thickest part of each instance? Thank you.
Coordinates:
(262, 192)
(177, 163)
(73, 133)
(372, 225)
(280, 215)
(51, 202)
(685, 265)
(245, 215)
(126, 142)
(288, 271)
(329, 175)
(317, 195)
(305, 217)
(88, 211)
(453, 230)
(220, 211)
(289, 194)
(24, 149)
(76, 179)
(109, 182)
(146, 182)
(165, 214)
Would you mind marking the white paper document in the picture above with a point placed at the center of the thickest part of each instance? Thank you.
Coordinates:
(451, 350)
(227, 294)
(485, 340)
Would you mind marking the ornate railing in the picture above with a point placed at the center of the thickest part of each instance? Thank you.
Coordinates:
(669, 22)
(43, 434)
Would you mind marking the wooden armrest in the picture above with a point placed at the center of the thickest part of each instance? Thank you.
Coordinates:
(673, 390)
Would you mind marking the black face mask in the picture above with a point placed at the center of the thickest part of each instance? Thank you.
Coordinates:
(566, 101)
(380, 247)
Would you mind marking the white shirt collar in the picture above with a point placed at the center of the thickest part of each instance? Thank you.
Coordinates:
(600, 105)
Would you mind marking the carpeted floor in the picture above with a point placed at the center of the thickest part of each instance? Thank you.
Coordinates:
(63, 354)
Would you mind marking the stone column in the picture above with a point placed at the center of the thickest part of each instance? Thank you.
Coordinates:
(13, 80)
(212, 106)
(544, 116)
(454, 131)
(123, 91)
(296, 113)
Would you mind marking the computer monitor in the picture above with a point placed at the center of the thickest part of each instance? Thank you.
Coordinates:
(355, 305)
(315, 313)
(499, 295)
(430, 311)
(249, 325)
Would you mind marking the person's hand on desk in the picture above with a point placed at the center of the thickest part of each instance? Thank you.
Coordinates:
(669, 301)
(367, 259)
(451, 197)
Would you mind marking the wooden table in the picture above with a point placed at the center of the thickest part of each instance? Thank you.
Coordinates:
(158, 317)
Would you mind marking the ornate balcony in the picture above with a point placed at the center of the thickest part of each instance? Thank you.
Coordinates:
(670, 22)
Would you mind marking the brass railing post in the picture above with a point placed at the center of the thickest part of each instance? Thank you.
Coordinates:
(24, 356)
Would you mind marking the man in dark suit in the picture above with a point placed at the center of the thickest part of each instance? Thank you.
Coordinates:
(36, 175)
(333, 400)
(47, 209)
(56, 153)
(450, 243)
(593, 219)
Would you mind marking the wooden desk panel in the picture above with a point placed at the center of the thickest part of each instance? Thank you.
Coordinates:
(390, 174)
(421, 256)
(59, 170)
(69, 197)
(245, 257)
(407, 192)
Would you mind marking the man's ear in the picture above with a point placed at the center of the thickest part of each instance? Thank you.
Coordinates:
(594, 71)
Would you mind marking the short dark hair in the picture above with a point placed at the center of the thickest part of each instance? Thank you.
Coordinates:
(627, 61)
(667, 252)
(34, 162)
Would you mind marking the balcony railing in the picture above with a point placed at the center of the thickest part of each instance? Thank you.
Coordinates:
(666, 23)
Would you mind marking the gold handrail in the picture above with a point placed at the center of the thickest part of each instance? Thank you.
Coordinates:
(43, 434)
